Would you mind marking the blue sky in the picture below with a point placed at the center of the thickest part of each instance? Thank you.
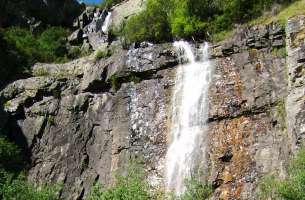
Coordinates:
(92, 1)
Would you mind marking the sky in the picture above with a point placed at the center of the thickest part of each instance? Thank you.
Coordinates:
(92, 1)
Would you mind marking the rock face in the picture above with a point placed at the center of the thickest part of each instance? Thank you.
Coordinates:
(89, 28)
(83, 120)
(247, 111)
(80, 126)
(126, 9)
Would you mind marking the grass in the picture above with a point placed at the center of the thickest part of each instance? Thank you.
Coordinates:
(102, 54)
(294, 9)
(217, 37)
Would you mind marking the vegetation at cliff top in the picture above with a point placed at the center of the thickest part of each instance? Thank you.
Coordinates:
(290, 188)
(20, 49)
(296, 8)
(133, 186)
(199, 19)
(13, 183)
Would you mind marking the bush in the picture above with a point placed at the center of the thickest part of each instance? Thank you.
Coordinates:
(13, 184)
(133, 186)
(20, 49)
(46, 47)
(19, 188)
(52, 43)
(10, 154)
(196, 190)
(167, 20)
(290, 188)
(151, 24)
(130, 187)
(102, 54)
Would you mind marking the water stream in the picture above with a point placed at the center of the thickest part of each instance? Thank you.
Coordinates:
(106, 23)
(189, 115)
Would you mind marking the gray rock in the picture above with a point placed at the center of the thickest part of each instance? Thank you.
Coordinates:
(76, 37)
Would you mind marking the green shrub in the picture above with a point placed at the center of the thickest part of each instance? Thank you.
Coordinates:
(13, 184)
(52, 43)
(130, 187)
(167, 20)
(290, 188)
(20, 49)
(196, 190)
(102, 54)
(133, 186)
(10, 154)
(151, 24)
(46, 47)
(19, 188)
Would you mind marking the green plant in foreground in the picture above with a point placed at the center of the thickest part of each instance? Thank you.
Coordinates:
(13, 184)
(19, 188)
(130, 187)
(133, 186)
(290, 188)
(196, 189)
(9, 154)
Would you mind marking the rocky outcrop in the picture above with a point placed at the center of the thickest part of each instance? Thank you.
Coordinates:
(247, 111)
(126, 9)
(85, 119)
(89, 28)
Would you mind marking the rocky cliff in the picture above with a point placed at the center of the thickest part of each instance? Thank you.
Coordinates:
(83, 120)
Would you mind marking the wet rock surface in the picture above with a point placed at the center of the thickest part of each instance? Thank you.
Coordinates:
(79, 127)
(85, 119)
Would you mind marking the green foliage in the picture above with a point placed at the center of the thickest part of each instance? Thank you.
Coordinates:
(13, 184)
(267, 188)
(102, 54)
(133, 186)
(114, 81)
(290, 9)
(9, 154)
(18, 188)
(165, 20)
(51, 120)
(52, 43)
(280, 52)
(151, 24)
(20, 49)
(49, 46)
(290, 188)
(130, 187)
(196, 190)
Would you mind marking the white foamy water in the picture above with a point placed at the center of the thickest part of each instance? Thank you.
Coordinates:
(106, 23)
(189, 116)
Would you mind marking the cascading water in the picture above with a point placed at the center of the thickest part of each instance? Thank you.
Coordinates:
(106, 23)
(189, 116)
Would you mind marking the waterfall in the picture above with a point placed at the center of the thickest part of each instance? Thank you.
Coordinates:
(106, 23)
(189, 113)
